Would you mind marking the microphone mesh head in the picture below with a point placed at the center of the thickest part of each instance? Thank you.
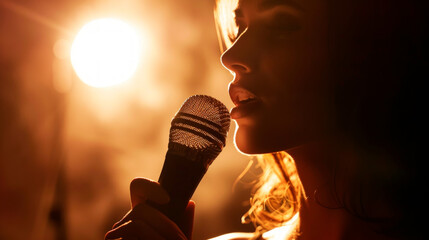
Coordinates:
(199, 128)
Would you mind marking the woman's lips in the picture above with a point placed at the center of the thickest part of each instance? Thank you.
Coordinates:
(244, 108)
(245, 101)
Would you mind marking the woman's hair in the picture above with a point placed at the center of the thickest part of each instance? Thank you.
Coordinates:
(379, 64)
(226, 27)
(278, 194)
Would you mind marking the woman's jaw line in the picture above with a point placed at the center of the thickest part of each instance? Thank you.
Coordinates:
(244, 144)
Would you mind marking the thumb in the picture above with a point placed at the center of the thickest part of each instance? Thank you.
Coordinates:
(188, 220)
(142, 189)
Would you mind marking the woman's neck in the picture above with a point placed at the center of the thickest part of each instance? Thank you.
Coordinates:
(322, 216)
(314, 162)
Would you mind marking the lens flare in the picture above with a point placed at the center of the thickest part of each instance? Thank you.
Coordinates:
(105, 52)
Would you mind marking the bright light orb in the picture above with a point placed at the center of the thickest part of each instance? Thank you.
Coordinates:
(105, 52)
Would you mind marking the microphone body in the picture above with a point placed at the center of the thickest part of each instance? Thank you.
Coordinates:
(197, 136)
(179, 177)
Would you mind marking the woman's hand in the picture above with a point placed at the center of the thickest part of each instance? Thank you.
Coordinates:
(145, 222)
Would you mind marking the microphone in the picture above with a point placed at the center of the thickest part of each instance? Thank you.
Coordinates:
(197, 136)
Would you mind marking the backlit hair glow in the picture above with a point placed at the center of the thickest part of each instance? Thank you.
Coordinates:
(225, 22)
(278, 194)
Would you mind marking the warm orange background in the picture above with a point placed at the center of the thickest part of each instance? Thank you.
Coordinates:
(68, 151)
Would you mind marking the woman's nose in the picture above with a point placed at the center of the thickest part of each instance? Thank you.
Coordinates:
(240, 57)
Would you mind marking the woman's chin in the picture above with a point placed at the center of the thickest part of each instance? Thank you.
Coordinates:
(248, 144)
(244, 149)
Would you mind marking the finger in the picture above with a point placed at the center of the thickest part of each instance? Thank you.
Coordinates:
(142, 189)
(120, 222)
(134, 230)
(155, 219)
(141, 212)
(188, 219)
(124, 219)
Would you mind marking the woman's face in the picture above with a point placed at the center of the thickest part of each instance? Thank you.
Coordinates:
(279, 59)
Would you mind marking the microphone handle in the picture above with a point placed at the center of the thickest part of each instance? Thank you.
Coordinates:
(180, 177)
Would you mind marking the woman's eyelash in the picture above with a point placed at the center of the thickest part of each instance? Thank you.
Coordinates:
(282, 28)
(240, 25)
(277, 28)
(285, 27)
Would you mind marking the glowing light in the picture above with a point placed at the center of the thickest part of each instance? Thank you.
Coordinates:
(105, 52)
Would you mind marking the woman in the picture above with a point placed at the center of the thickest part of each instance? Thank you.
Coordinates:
(338, 85)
